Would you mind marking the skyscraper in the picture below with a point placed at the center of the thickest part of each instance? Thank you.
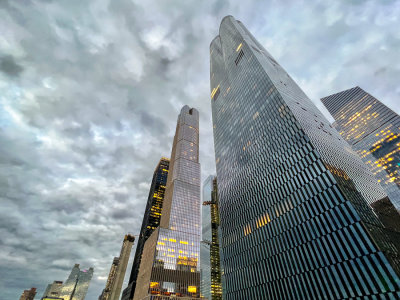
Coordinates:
(151, 220)
(294, 219)
(170, 261)
(28, 294)
(106, 293)
(373, 131)
(77, 284)
(53, 289)
(116, 276)
(210, 276)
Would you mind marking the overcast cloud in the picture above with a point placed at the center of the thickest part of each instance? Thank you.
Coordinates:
(89, 96)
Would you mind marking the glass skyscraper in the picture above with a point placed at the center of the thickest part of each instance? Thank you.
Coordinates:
(210, 276)
(170, 260)
(373, 131)
(151, 220)
(77, 284)
(294, 218)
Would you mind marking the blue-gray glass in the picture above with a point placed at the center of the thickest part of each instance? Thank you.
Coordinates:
(294, 218)
(373, 131)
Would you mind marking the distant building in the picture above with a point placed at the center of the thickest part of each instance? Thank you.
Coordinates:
(77, 284)
(170, 261)
(210, 267)
(28, 294)
(373, 131)
(106, 293)
(116, 276)
(53, 289)
(151, 220)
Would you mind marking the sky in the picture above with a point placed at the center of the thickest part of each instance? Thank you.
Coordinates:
(89, 96)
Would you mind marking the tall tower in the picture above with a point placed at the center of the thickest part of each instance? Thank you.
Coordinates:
(116, 276)
(170, 261)
(373, 131)
(211, 287)
(77, 284)
(151, 220)
(294, 219)
(106, 293)
(28, 294)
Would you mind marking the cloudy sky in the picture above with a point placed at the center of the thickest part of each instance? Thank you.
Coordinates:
(90, 92)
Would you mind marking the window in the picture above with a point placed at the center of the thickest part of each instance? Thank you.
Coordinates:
(239, 57)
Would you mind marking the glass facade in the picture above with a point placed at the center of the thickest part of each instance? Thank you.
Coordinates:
(373, 131)
(294, 218)
(53, 289)
(77, 284)
(151, 220)
(210, 276)
(170, 260)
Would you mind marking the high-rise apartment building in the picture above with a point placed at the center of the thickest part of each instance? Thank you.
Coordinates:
(77, 284)
(112, 291)
(170, 261)
(53, 290)
(28, 294)
(373, 131)
(106, 293)
(210, 268)
(294, 218)
(151, 220)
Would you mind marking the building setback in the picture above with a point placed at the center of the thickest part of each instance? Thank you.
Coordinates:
(294, 218)
(170, 261)
(53, 289)
(112, 291)
(28, 294)
(151, 220)
(211, 287)
(77, 284)
(373, 131)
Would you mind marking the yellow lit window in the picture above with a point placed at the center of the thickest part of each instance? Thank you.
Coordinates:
(161, 243)
(172, 240)
(183, 242)
(238, 47)
(153, 284)
(192, 289)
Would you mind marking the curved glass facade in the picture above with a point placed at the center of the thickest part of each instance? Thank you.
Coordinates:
(294, 218)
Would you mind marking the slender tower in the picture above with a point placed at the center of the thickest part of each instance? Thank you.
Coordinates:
(294, 218)
(373, 131)
(210, 273)
(170, 261)
(116, 276)
(151, 220)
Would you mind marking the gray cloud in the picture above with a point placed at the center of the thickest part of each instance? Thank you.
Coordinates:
(90, 95)
(9, 66)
